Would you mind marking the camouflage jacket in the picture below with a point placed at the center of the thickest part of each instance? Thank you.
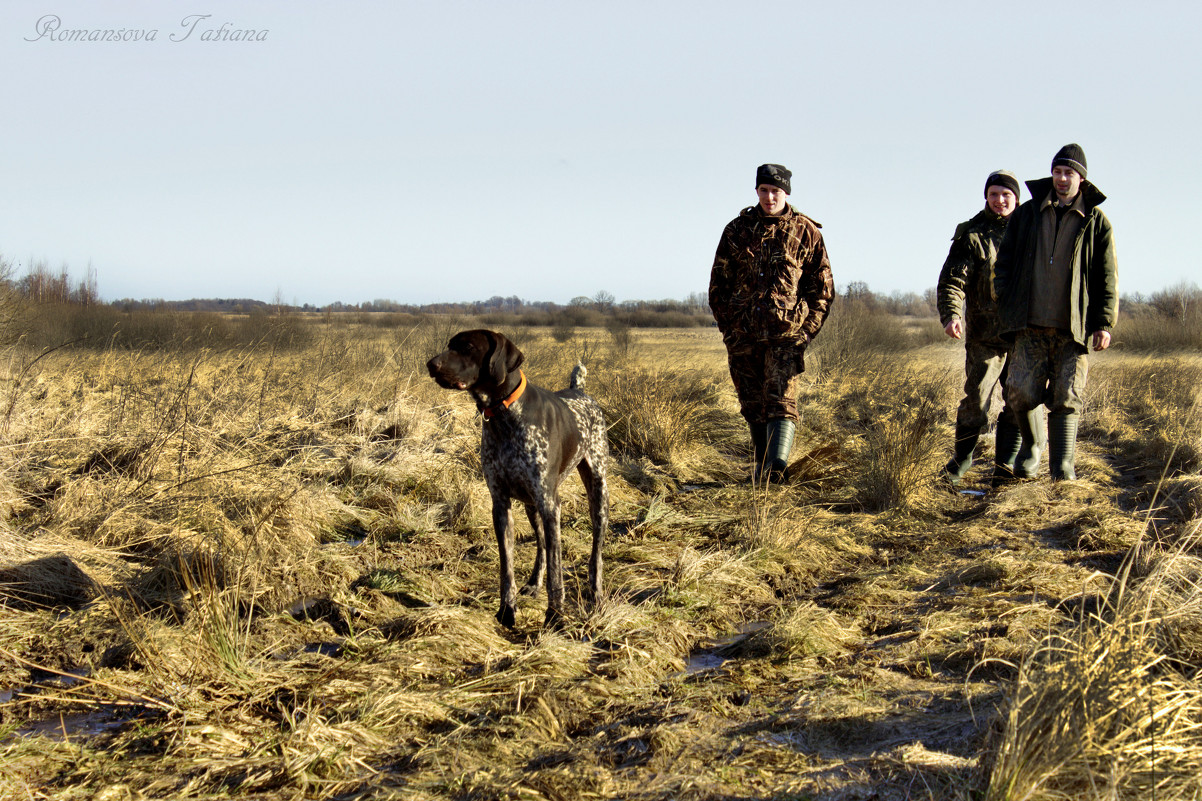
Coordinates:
(966, 280)
(771, 281)
(1093, 287)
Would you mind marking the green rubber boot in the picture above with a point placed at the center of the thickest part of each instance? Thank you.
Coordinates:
(961, 461)
(1062, 445)
(780, 443)
(1007, 440)
(1033, 445)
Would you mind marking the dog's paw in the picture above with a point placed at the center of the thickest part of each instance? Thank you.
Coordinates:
(554, 619)
(506, 617)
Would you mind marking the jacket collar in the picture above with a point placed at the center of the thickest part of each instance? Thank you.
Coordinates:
(1090, 196)
(988, 215)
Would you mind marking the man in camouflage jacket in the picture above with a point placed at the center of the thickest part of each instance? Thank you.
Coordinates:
(1056, 281)
(967, 311)
(770, 289)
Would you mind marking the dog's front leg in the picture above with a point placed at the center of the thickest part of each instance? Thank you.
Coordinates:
(535, 583)
(550, 515)
(507, 614)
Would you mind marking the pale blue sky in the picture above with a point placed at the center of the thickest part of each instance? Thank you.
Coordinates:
(455, 150)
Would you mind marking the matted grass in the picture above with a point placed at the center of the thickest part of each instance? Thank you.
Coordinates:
(271, 573)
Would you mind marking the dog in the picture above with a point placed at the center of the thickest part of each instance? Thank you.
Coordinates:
(531, 439)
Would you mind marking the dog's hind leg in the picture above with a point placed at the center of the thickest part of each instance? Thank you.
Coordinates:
(598, 510)
(507, 614)
(538, 574)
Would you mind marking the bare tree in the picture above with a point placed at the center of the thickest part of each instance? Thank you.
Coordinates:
(1180, 301)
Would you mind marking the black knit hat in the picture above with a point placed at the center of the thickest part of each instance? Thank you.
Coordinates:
(773, 175)
(1003, 178)
(1070, 156)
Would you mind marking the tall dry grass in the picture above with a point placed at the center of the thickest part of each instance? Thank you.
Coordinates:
(900, 412)
(270, 572)
(1150, 409)
(1112, 709)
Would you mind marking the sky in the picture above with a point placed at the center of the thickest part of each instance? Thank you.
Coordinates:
(430, 151)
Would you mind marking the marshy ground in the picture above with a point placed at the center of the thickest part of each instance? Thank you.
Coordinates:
(270, 573)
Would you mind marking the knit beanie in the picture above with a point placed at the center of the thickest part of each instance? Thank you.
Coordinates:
(774, 175)
(1005, 179)
(1070, 156)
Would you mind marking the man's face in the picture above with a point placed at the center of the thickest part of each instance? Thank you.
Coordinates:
(1066, 181)
(1000, 200)
(773, 199)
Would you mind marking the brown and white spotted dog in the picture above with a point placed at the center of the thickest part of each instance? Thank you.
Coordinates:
(532, 438)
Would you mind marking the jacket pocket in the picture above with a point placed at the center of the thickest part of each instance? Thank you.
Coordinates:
(782, 321)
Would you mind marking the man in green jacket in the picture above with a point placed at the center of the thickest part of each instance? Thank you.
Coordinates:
(968, 311)
(1056, 281)
(770, 289)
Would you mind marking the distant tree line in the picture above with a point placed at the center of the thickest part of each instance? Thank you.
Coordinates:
(48, 307)
(1166, 320)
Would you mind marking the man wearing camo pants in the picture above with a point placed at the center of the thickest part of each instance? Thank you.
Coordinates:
(1056, 281)
(770, 289)
(967, 311)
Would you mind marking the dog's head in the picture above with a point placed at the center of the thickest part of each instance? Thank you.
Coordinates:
(478, 361)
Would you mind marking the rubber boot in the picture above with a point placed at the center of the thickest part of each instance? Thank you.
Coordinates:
(1062, 445)
(1033, 445)
(961, 461)
(780, 443)
(1007, 440)
(759, 447)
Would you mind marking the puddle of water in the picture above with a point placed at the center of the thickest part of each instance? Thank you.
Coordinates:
(973, 493)
(703, 660)
(711, 656)
(71, 727)
(331, 649)
(68, 678)
(45, 680)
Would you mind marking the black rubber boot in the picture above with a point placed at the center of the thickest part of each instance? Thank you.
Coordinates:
(1062, 446)
(1007, 440)
(1033, 445)
(780, 443)
(759, 447)
(961, 461)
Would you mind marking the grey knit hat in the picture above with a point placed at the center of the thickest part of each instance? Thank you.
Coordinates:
(1003, 178)
(774, 175)
(1070, 156)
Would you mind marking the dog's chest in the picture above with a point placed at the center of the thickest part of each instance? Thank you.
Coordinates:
(514, 455)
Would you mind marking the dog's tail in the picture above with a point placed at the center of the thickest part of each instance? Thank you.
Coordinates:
(578, 374)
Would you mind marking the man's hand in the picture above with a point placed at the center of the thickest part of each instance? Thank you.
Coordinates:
(954, 329)
(1101, 340)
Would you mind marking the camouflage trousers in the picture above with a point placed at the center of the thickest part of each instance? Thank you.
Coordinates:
(1047, 366)
(766, 379)
(984, 366)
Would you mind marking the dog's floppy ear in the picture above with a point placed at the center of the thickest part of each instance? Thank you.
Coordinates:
(505, 358)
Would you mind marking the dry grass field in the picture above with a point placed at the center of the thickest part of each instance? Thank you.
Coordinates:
(271, 574)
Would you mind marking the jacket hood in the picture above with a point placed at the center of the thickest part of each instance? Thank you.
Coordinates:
(758, 212)
(1041, 187)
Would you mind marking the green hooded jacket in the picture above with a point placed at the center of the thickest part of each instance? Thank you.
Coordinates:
(965, 288)
(1093, 293)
